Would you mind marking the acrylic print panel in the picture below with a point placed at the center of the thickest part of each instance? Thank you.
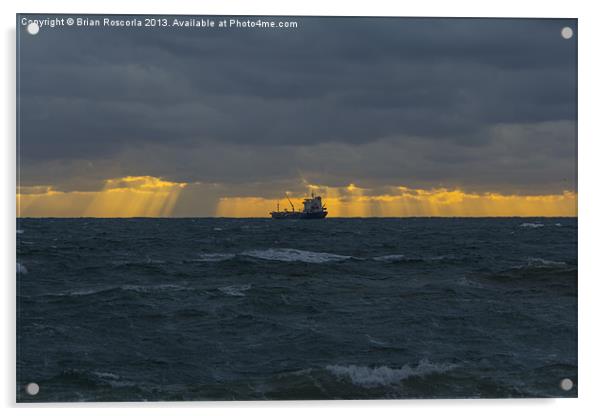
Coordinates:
(262, 208)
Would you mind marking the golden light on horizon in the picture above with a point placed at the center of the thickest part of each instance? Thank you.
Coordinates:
(149, 196)
(130, 196)
(353, 201)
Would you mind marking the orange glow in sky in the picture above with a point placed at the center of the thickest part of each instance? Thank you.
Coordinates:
(148, 196)
(130, 196)
(353, 201)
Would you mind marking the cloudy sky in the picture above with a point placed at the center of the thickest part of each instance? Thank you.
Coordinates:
(382, 116)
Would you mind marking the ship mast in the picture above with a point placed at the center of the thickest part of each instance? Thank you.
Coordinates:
(289, 200)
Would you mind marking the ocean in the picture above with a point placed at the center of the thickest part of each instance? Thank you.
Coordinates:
(256, 309)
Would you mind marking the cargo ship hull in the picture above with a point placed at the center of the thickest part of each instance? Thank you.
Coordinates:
(298, 215)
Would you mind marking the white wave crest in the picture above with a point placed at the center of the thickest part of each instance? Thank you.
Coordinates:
(532, 225)
(114, 380)
(153, 288)
(21, 269)
(539, 262)
(235, 290)
(213, 257)
(135, 262)
(102, 374)
(291, 254)
(133, 288)
(382, 376)
(84, 292)
(398, 258)
(375, 341)
(20, 231)
(391, 258)
(464, 281)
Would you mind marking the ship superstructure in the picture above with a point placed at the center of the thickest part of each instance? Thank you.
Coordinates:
(312, 209)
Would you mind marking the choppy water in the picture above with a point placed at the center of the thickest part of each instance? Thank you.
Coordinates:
(220, 309)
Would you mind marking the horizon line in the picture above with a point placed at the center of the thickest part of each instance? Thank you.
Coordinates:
(330, 218)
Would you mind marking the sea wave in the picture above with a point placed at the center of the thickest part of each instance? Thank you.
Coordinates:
(214, 257)
(21, 269)
(401, 258)
(464, 281)
(153, 288)
(20, 231)
(375, 341)
(132, 288)
(391, 258)
(291, 254)
(137, 262)
(382, 376)
(235, 290)
(534, 263)
(535, 269)
(85, 292)
(532, 225)
(103, 374)
(539, 262)
(113, 380)
(96, 378)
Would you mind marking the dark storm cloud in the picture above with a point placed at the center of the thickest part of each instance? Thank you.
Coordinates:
(448, 84)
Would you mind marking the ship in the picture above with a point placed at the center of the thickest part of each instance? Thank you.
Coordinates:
(312, 210)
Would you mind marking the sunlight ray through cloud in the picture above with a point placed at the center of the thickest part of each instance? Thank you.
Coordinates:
(354, 201)
(130, 196)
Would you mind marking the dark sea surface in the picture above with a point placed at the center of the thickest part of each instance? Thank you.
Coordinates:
(253, 309)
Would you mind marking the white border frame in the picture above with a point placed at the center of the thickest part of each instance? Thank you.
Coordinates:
(590, 348)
